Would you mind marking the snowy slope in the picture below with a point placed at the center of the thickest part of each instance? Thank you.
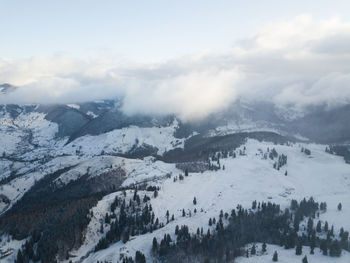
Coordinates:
(123, 140)
(33, 151)
(288, 256)
(246, 178)
(136, 170)
(29, 150)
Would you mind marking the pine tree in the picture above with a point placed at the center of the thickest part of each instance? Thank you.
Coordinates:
(312, 242)
(19, 257)
(139, 257)
(310, 225)
(305, 259)
(253, 250)
(154, 245)
(263, 248)
(298, 249)
(318, 226)
(194, 201)
(275, 257)
(339, 207)
(126, 236)
(107, 219)
(176, 230)
(335, 249)
(167, 216)
(254, 205)
(326, 227)
(324, 247)
(183, 213)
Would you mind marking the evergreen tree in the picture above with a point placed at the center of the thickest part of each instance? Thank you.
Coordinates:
(324, 247)
(310, 225)
(335, 249)
(263, 248)
(312, 242)
(339, 207)
(139, 257)
(305, 259)
(167, 216)
(126, 236)
(194, 201)
(326, 227)
(299, 249)
(107, 219)
(254, 205)
(253, 250)
(318, 226)
(275, 257)
(154, 245)
(19, 258)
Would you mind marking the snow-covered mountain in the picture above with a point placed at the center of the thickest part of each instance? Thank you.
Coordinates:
(66, 171)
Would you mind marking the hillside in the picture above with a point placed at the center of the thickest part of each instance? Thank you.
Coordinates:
(63, 167)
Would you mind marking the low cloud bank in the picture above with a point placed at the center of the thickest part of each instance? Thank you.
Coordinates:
(297, 63)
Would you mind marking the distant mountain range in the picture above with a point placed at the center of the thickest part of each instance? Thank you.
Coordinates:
(81, 182)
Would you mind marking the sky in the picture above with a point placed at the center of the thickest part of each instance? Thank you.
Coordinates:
(159, 55)
(143, 31)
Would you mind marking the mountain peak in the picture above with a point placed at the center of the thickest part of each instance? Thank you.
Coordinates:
(7, 88)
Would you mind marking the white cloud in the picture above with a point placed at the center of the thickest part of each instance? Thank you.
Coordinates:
(298, 63)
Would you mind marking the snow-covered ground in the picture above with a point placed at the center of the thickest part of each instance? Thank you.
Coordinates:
(245, 179)
(29, 150)
(31, 139)
(123, 140)
(136, 170)
(10, 247)
(288, 256)
(243, 126)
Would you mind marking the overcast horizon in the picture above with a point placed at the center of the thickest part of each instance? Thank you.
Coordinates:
(159, 56)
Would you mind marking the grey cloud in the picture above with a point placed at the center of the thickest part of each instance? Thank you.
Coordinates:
(296, 63)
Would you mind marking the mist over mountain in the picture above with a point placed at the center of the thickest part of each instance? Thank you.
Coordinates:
(168, 147)
(298, 68)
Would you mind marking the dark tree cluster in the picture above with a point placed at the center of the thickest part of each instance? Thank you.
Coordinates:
(273, 154)
(282, 160)
(267, 224)
(214, 160)
(139, 258)
(306, 151)
(51, 219)
(214, 165)
(341, 150)
(134, 218)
